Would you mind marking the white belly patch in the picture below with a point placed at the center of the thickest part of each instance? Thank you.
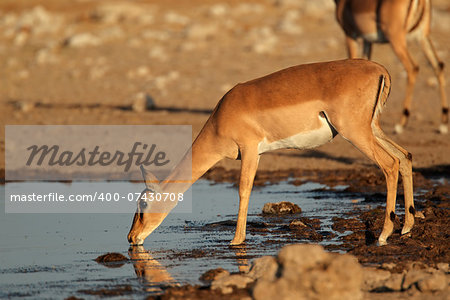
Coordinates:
(303, 140)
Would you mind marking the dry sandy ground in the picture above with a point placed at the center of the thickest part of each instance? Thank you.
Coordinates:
(85, 62)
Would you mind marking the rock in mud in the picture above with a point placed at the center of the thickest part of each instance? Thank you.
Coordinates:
(82, 40)
(433, 282)
(394, 283)
(111, 258)
(214, 274)
(426, 280)
(265, 267)
(444, 267)
(225, 284)
(143, 102)
(297, 224)
(281, 208)
(308, 272)
(374, 279)
(304, 231)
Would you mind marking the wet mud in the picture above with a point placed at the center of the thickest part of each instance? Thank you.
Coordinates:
(427, 245)
(429, 240)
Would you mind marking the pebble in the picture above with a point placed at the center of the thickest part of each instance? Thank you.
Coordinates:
(281, 208)
(143, 102)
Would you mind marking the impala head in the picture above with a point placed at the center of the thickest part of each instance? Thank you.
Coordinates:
(146, 219)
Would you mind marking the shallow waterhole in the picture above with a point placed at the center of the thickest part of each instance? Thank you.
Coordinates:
(51, 255)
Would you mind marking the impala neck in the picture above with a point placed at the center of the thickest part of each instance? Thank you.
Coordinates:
(199, 159)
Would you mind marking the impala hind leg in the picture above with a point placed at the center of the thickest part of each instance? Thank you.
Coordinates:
(438, 68)
(405, 166)
(352, 47)
(389, 164)
(367, 50)
(249, 165)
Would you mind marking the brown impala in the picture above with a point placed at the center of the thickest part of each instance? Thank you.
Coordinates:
(301, 107)
(391, 21)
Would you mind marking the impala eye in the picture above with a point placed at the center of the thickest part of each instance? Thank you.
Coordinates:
(143, 204)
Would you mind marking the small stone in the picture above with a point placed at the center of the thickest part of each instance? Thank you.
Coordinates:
(24, 106)
(23, 74)
(281, 208)
(394, 283)
(143, 102)
(412, 277)
(302, 257)
(433, 282)
(21, 38)
(162, 81)
(120, 12)
(290, 23)
(308, 272)
(248, 8)
(218, 10)
(432, 82)
(142, 71)
(388, 266)
(82, 40)
(45, 56)
(176, 18)
(225, 284)
(295, 224)
(97, 72)
(159, 53)
(265, 267)
(264, 40)
(444, 267)
(201, 31)
(374, 278)
(111, 257)
(214, 274)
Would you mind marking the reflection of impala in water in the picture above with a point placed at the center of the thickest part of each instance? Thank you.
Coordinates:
(148, 269)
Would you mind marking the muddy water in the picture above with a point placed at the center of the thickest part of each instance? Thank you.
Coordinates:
(51, 256)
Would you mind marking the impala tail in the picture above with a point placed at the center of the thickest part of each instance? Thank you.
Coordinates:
(384, 90)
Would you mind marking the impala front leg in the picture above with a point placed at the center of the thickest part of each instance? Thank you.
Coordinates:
(249, 165)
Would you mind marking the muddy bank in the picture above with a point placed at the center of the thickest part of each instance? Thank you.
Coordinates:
(414, 265)
(302, 271)
(429, 240)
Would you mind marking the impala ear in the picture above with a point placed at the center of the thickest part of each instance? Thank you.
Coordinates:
(151, 182)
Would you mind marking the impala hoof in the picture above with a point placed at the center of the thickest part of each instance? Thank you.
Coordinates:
(398, 129)
(406, 230)
(382, 242)
(135, 241)
(443, 129)
(236, 242)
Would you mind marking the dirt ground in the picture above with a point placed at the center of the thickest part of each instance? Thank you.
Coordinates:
(85, 62)
(88, 62)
